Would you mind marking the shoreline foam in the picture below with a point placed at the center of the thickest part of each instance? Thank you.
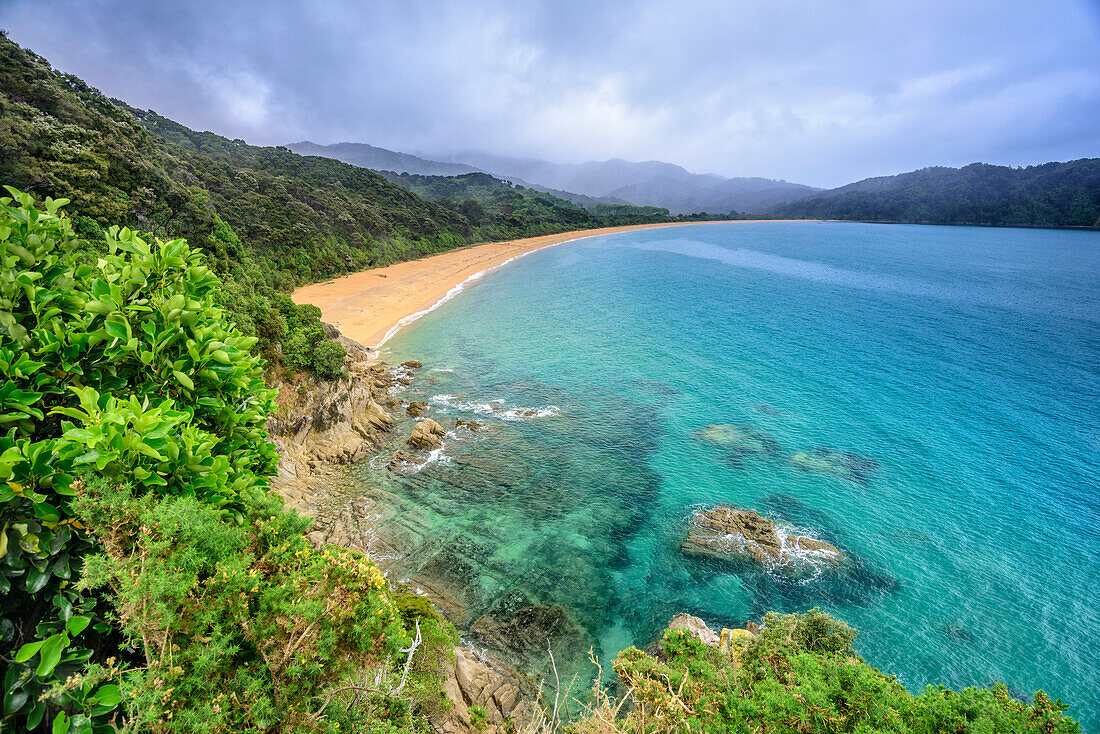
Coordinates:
(371, 306)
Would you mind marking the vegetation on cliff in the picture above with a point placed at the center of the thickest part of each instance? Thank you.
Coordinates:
(798, 674)
(1048, 195)
(150, 580)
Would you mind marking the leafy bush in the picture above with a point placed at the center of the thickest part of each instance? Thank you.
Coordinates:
(164, 588)
(800, 675)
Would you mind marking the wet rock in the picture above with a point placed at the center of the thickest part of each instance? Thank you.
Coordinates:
(843, 464)
(470, 425)
(728, 533)
(403, 461)
(740, 441)
(427, 435)
(417, 408)
(412, 364)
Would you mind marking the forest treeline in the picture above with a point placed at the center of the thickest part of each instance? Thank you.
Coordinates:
(1048, 195)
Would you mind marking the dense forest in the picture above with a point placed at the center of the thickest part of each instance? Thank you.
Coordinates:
(267, 219)
(1048, 195)
(495, 207)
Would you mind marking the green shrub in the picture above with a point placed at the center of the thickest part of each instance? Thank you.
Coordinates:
(165, 588)
(800, 675)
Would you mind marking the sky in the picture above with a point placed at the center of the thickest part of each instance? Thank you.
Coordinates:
(815, 92)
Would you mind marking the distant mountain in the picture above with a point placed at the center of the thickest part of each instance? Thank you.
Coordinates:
(1051, 194)
(380, 159)
(651, 183)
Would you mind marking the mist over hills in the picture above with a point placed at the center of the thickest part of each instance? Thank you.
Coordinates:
(610, 182)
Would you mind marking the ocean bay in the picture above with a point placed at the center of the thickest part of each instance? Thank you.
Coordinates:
(928, 394)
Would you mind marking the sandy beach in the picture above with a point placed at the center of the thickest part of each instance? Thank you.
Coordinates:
(370, 306)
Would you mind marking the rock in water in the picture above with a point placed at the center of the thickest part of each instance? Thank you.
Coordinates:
(427, 435)
(412, 364)
(417, 409)
(728, 533)
(403, 461)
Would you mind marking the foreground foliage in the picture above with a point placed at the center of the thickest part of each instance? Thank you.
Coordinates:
(150, 581)
(799, 674)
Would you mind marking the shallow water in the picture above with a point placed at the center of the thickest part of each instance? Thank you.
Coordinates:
(960, 367)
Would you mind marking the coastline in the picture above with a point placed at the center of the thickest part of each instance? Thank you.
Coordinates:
(371, 306)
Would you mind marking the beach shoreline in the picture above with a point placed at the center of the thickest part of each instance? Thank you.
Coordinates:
(370, 306)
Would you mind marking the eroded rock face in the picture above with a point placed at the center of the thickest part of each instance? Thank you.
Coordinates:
(427, 436)
(728, 533)
(504, 694)
(417, 409)
(331, 421)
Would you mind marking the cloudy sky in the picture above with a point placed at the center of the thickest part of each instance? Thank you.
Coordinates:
(807, 90)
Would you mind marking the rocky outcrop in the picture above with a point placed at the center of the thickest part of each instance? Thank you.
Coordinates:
(697, 627)
(730, 642)
(403, 461)
(331, 421)
(728, 533)
(505, 696)
(417, 408)
(427, 436)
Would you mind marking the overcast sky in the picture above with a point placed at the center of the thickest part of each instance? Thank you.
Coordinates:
(817, 92)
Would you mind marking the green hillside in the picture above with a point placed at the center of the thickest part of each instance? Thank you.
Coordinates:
(495, 207)
(1048, 195)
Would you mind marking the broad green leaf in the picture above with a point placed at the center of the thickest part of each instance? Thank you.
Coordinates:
(51, 654)
(28, 651)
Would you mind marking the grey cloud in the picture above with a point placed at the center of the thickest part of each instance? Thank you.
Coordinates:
(816, 92)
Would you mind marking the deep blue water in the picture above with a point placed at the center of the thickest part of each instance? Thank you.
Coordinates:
(963, 363)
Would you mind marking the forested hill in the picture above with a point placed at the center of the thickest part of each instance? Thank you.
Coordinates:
(1048, 195)
(494, 206)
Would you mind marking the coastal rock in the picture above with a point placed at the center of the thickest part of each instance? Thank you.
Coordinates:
(338, 421)
(697, 627)
(728, 533)
(506, 696)
(740, 441)
(427, 436)
(403, 461)
(417, 408)
(470, 425)
(412, 364)
(843, 464)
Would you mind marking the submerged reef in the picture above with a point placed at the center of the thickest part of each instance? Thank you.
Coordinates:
(843, 464)
(739, 441)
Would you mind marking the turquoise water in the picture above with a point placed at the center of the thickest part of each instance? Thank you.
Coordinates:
(962, 366)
